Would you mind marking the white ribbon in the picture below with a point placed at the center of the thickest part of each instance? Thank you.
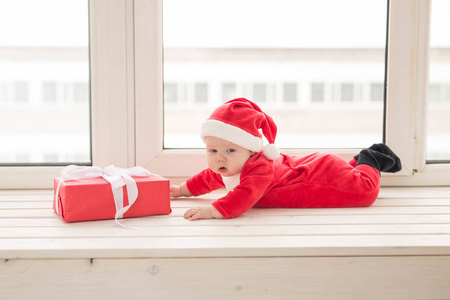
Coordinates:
(117, 177)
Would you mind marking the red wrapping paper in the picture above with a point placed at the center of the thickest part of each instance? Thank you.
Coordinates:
(92, 199)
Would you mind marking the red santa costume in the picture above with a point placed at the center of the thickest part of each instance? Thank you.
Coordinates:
(270, 179)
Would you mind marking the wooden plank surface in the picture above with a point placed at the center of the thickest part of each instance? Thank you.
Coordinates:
(220, 246)
(178, 212)
(226, 231)
(403, 221)
(399, 248)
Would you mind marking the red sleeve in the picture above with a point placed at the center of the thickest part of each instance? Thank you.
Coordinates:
(204, 182)
(257, 178)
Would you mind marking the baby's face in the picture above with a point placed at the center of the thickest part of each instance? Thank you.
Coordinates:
(225, 158)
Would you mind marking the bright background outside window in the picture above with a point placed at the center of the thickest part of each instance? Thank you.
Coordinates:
(438, 147)
(44, 82)
(317, 67)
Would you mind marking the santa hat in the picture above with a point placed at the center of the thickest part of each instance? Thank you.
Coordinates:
(238, 121)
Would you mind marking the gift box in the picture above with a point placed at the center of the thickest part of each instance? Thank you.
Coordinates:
(95, 198)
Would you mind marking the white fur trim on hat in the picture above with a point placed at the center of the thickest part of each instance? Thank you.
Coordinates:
(232, 134)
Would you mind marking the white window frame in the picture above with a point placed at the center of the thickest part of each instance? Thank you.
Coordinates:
(112, 96)
(407, 84)
(127, 92)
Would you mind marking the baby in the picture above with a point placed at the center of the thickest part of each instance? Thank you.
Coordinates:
(257, 176)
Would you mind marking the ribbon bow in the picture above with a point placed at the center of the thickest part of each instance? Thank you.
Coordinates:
(117, 177)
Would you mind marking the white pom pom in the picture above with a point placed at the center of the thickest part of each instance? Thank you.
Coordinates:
(271, 151)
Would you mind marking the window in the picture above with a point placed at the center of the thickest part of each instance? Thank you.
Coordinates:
(170, 93)
(303, 44)
(201, 93)
(49, 92)
(402, 77)
(23, 157)
(228, 91)
(347, 92)
(290, 92)
(438, 147)
(259, 93)
(50, 157)
(318, 92)
(113, 111)
(81, 92)
(21, 92)
(376, 92)
(3, 95)
(44, 45)
(127, 79)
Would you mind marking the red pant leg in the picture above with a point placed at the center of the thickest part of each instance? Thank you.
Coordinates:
(333, 182)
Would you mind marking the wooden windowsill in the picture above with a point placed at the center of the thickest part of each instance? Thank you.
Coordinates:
(400, 245)
(403, 221)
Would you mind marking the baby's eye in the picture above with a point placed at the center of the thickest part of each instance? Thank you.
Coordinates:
(230, 150)
(213, 150)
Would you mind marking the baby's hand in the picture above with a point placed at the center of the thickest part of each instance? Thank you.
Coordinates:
(175, 191)
(198, 213)
(179, 190)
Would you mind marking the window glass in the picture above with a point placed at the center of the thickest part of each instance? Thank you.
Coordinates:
(290, 92)
(21, 92)
(347, 92)
(317, 92)
(44, 82)
(259, 93)
(170, 93)
(3, 95)
(228, 91)
(201, 92)
(49, 92)
(376, 92)
(308, 64)
(438, 144)
(81, 92)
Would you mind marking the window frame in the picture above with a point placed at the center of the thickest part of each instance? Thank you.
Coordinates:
(112, 97)
(405, 117)
(126, 60)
